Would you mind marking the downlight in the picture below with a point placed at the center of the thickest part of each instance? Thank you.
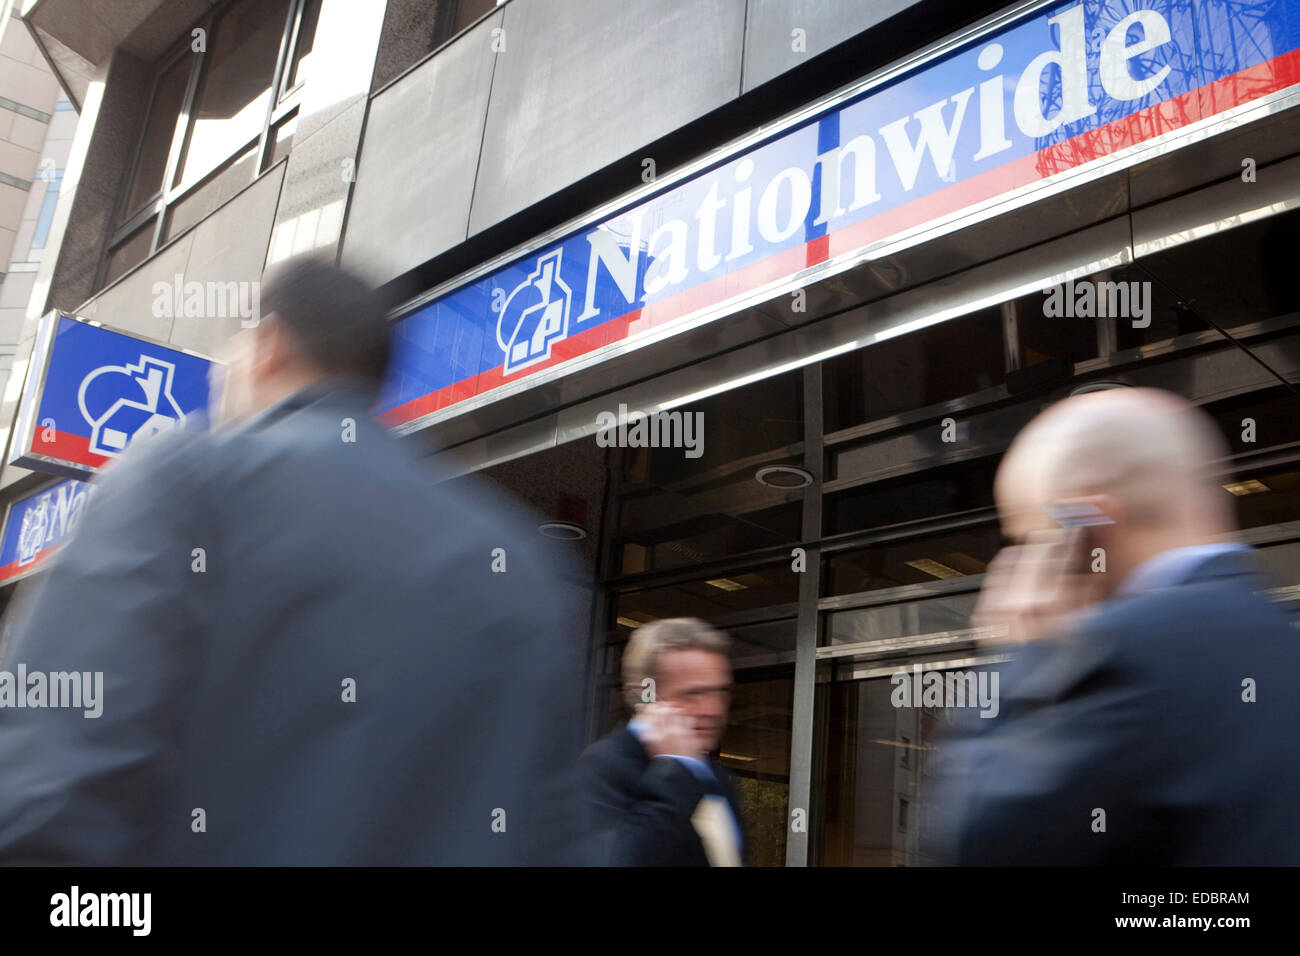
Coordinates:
(1097, 387)
(784, 477)
(562, 530)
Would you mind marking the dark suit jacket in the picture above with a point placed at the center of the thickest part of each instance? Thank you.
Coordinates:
(640, 808)
(1140, 714)
(323, 561)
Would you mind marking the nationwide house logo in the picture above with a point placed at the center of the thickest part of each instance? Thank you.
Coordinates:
(535, 315)
(35, 529)
(125, 402)
(50, 518)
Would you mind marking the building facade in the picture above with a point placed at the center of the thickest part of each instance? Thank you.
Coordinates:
(744, 297)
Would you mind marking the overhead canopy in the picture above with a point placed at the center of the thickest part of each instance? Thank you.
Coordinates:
(78, 36)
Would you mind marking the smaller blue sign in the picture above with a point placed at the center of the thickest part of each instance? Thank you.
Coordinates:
(37, 526)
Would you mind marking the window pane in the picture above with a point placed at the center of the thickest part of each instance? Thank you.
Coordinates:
(948, 612)
(1237, 276)
(306, 37)
(1265, 497)
(875, 796)
(46, 216)
(159, 132)
(1045, 337)
(711, 598)
(129, 253)
(756, 750)
(943, 362)
(674, 510)
(230, 107)
(931, 558)
(204, 199)
(927, 494)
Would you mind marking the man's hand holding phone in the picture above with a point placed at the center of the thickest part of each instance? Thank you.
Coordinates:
(1032, 589)
(668, 731)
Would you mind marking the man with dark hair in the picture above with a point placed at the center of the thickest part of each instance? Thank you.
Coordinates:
(655, 796)
(307, 657)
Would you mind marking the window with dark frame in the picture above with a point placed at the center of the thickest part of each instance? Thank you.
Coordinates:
(222, 110)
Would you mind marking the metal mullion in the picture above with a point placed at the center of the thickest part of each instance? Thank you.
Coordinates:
(922, 527)
(914, 467)
(1011, 336)
(295, 20)
(284, 110)
(749, 561)
(805, 662)
(286, 38)
(180, 139)
(128, 227)
(902, 421)
(901, 594)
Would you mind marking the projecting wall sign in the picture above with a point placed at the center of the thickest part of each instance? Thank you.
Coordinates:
(93, 390)
(37, 525)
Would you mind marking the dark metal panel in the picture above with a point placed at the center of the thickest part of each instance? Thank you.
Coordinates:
(772, 46)
(578, 86)
(411, 199)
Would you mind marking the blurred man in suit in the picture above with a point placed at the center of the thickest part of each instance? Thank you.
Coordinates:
(655, 794)
(1148, 717)
(307, 655)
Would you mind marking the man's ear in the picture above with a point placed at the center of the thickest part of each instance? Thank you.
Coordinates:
(270, 347)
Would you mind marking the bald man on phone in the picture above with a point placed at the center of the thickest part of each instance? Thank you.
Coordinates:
(1148, 716)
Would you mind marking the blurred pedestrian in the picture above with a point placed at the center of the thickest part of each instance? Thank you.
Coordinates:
(655, 793)
(307, 654)
(1148, 716)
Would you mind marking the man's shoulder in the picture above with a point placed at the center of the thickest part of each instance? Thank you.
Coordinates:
(1183, 634)
(1207, 605)
(614, 746)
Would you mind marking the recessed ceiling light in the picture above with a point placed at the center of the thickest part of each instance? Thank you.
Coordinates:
(934, 568)
(783, 476)
(726, 584)
(564, 530)
(1097, 387)
(1250, 486)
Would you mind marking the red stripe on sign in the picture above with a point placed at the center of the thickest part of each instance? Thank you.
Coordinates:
(67, 447)
(13, 569)
(819, 250)
(1236, 90)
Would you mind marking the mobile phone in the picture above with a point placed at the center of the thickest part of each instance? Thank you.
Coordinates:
(1077, 515)
(1075, 519)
